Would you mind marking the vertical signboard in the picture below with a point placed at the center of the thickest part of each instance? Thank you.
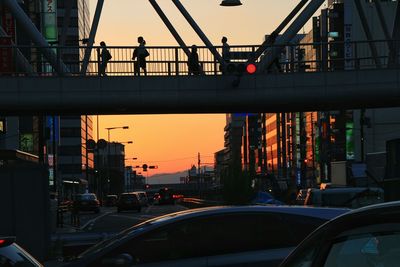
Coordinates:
(348, 25)
(49, 20)
(7, 22)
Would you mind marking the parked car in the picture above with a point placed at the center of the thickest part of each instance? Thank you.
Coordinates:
(368, 236)
(213, 236)
(166, 196)
(110, 200)
(129, 201)
(87, 202)
(350, 197)
(13, 255)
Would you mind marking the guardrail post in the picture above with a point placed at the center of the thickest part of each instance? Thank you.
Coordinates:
(176, 61)
(215, 66)
(98, 60)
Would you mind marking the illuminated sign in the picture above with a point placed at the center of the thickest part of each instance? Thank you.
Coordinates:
(2, 126)
(26, 142)
(49, 19)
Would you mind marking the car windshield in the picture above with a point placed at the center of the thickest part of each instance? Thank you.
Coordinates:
(139, 227)
(87, 197)
(128, 197)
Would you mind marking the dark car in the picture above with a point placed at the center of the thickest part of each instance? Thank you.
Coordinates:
(368, 236)
(214, 236)
(13, 255)
(111, 200)
(166, 196)
(129, 201)
(87, 202)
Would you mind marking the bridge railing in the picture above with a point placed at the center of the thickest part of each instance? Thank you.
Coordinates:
(172, 61)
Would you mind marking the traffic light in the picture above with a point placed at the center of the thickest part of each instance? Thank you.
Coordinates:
(153, 167)
(241, 68)
(144, 167)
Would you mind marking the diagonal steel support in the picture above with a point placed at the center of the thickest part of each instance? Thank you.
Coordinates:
(394, 54)
(29, 28)
(92, 35)
(289, 34)
(199, 32)
(368, 33)
(170, 27)
(281, 26)
(22, 62)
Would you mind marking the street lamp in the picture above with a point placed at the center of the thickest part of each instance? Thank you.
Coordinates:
(230, 3)
(113, 128)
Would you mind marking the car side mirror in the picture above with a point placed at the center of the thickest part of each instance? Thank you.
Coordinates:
(121, 260)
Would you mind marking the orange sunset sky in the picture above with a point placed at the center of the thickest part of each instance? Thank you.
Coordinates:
(173, 141)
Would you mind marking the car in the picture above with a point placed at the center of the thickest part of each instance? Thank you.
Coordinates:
(87, 202)
(350, 197)
(12, 254)
(217, 236)
(156, 199)
(368, 236)
(110, 200)
(142, 198)
(166, 196)
(129, 201)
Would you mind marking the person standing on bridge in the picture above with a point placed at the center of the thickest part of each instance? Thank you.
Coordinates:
(226, 53)
(193, 62)
(140, 53)
(105, 56)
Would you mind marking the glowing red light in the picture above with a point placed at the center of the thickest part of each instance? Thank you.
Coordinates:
(2, 241)
(251, 68)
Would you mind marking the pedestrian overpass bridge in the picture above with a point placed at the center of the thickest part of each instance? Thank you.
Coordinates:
(297, 85)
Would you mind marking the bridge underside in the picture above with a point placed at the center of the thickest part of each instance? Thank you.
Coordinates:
(200, 94)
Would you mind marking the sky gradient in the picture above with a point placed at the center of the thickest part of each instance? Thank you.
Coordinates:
(173, 141)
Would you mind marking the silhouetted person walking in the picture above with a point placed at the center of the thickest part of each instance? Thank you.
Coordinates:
(226, 53)
(193, 62)
(140, 53)
(105, 57)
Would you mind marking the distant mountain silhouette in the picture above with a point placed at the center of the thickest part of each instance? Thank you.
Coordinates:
(167, 178)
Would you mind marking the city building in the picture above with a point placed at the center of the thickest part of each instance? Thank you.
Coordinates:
(111, 171)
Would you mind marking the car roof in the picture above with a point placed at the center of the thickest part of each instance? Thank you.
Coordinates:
(316, 212)
(377, 213)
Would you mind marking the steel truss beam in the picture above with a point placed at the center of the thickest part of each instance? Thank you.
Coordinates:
(92, 35)
(37, 38)
(170, 27)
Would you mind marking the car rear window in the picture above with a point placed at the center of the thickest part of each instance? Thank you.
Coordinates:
(87, 197)
(129, 197)
(14, 256)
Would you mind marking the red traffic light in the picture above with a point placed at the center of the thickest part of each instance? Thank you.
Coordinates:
(251, 68)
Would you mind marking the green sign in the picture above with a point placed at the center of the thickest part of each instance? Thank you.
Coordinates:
(49, 20)
(26, 142)
(349, 140)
